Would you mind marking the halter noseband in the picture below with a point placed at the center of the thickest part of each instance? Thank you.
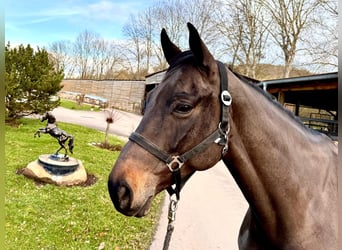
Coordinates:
(219, 136)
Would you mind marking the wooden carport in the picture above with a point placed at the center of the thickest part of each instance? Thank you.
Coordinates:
(312, 98)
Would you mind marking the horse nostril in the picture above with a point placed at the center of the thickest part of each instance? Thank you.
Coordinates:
(124, 196)
(121, 195)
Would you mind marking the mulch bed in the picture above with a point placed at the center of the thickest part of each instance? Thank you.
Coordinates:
(107, 146)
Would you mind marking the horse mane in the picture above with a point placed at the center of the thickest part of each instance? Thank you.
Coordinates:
(273, 100)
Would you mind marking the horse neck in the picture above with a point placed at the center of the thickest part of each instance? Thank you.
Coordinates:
(271, 156)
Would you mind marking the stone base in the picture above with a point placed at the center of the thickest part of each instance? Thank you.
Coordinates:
(44, 169)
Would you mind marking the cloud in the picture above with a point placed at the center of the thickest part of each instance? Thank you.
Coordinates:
(45, 21)
(112, 11)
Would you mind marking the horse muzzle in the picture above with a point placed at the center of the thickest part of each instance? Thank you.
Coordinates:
(131, 189)
(122, 197)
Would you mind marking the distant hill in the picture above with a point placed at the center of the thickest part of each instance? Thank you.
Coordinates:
(269, 71)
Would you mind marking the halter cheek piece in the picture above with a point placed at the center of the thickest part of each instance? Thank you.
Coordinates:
(219, 136)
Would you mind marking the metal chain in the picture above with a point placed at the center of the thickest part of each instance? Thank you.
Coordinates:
(170, 225)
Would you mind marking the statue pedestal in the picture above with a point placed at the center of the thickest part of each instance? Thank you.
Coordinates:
(56, 169)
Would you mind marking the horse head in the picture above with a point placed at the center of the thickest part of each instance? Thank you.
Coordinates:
(180, 113)
(48, 116)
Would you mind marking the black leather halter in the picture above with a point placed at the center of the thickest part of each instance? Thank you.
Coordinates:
(219, 136)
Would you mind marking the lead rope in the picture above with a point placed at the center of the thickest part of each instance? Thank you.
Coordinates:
(174, 192)
(170, 225)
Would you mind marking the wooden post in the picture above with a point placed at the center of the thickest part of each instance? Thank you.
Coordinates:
(281, 98)
(297, 108)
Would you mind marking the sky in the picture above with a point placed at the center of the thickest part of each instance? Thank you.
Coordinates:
(42, 22)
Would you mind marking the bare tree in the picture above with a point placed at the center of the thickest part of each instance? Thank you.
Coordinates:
(289, 18)
(60, 54)
(143, 32)
(144, 29)
(113, 61)
(82, 52)
(201, 14)
(133, 32)
(322, 38)
(112, 115)
(236, 31)
(243, 25)
(147, 36)
(105, 59)
(99, 58)
(169, 15)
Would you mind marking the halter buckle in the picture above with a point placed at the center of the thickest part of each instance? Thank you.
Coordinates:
(175, 164)
(226, 98)
(223, 139)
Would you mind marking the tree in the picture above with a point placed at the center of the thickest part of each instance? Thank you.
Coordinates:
(133, 31)
(322, 39)
(243, 33)
(108, 60)
(60, 52)
(243, 24)
(112, 116)
(31, 82)
(143, 31)
(83, 51)
(290, 18)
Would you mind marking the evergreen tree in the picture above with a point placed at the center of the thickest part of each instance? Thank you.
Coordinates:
(31, 82)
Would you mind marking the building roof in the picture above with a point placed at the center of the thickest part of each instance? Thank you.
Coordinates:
(316, 91)
(301, 81)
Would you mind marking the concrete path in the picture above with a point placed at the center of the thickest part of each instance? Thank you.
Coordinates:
(124, 125)
(211, 208)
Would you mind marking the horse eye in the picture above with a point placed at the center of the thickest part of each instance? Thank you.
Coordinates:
(183, 108)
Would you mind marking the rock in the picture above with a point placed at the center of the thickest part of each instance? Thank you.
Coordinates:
(43, 169)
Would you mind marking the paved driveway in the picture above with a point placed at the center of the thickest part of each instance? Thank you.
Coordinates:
(211, 208)
(209, 214)
(124, 125)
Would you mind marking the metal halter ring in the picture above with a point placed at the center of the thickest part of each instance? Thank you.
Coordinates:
(226, 98)
(175, 162)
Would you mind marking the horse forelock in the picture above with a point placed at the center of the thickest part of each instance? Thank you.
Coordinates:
(182, 58)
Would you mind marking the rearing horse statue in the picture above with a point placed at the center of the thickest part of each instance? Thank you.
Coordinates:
(52, 129)
(203, 112)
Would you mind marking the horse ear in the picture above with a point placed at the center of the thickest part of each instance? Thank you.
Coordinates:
(198, 48)
(170, 50)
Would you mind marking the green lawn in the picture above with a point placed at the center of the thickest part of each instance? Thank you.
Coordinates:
(73, 105)
(52, 217)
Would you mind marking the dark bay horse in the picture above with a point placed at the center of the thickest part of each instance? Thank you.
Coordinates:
(52, 129)
(286, 172)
